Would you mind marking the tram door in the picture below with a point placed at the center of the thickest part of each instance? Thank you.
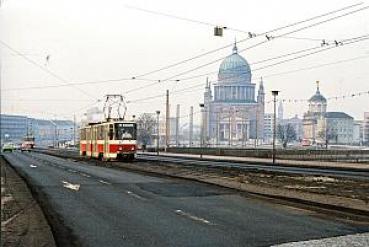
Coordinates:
(93, 141)
(106, 139)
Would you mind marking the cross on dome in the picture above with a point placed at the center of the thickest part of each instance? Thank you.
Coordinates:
(235, 46)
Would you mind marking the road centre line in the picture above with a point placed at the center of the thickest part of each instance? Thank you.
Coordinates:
(135, 195)
(85, 175)
(193, 217)
(103, 182)
(71, 186)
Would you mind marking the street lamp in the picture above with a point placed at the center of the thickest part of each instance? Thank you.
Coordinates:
(202, 128)
(158, 133)
(275, 94)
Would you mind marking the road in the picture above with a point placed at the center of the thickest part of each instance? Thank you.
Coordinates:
(100, 206)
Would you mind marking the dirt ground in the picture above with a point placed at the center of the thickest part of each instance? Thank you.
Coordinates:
(22, 221)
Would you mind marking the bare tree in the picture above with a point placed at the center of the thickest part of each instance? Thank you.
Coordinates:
(146, 124)
(328, 135)
(286, 133)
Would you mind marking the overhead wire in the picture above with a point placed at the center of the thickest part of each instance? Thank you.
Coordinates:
(245, 39)
(337, 97)
(265, 41)
(361, 38)
(253, 46)
(264, 76)
(43, 68)
(66, 84)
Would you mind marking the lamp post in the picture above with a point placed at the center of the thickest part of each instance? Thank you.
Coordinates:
(275, 94)
(202, 129)
(158, 132)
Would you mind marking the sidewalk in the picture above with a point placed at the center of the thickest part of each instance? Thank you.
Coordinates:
(253, 160)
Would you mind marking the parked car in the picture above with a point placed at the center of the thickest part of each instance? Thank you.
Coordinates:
(8, 147)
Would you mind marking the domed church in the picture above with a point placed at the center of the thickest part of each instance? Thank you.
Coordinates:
(232, 114)
(317, 109)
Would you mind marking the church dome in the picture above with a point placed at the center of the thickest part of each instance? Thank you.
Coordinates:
(318, 97)
(234, 69)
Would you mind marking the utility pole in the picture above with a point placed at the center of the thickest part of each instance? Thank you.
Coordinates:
(275, 94)
(157, 131)
(74, 130)
(256, 127)
(230, 128)
(218, 127)
(177, 125)
(167, 122)
(202, 129)
(191, 126)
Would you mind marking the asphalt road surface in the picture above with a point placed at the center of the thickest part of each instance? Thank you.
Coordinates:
(100, 206)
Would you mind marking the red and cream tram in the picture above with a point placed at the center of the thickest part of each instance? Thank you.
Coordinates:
(110, 140)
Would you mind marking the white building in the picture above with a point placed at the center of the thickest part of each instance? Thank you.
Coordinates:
(336, 128)
(317, 108)
(366, 128)
(268, 127)
(358, 132)
(296, 124)
(233, 115)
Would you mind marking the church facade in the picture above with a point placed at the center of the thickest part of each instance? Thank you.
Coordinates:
(233, 114)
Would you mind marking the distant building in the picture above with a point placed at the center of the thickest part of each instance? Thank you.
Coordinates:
(46, 132)
(336, 128)
(233, 115)
(358, 132)
(54, 132)
(296, 124)
(13, 127)
(268, 127)
(317, 108)
(366, 129)
(280, 111)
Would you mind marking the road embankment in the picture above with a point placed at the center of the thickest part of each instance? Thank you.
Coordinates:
(22, 220)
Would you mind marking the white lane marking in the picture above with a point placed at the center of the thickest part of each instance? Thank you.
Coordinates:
(71, 186)
(193, 217)
(135, 195)
(33, 166)
(103, 182)
(85, 175)
(70, 170)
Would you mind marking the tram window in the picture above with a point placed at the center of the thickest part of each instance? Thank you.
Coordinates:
(125, 131)
(101, 135)
(88, 134)
(83, 134)
(100, 132)
(111, 132)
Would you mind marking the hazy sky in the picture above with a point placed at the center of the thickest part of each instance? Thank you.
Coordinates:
(102, 40)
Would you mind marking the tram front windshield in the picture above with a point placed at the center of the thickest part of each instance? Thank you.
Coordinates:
(125, 131)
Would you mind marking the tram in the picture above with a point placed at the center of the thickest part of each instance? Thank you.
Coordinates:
(110, 140)
(28, 143)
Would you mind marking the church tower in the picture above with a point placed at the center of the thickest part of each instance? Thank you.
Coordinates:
(280, 111)
(260, 110)
(207, 100)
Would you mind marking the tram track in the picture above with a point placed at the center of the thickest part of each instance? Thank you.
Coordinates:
(340, 172)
